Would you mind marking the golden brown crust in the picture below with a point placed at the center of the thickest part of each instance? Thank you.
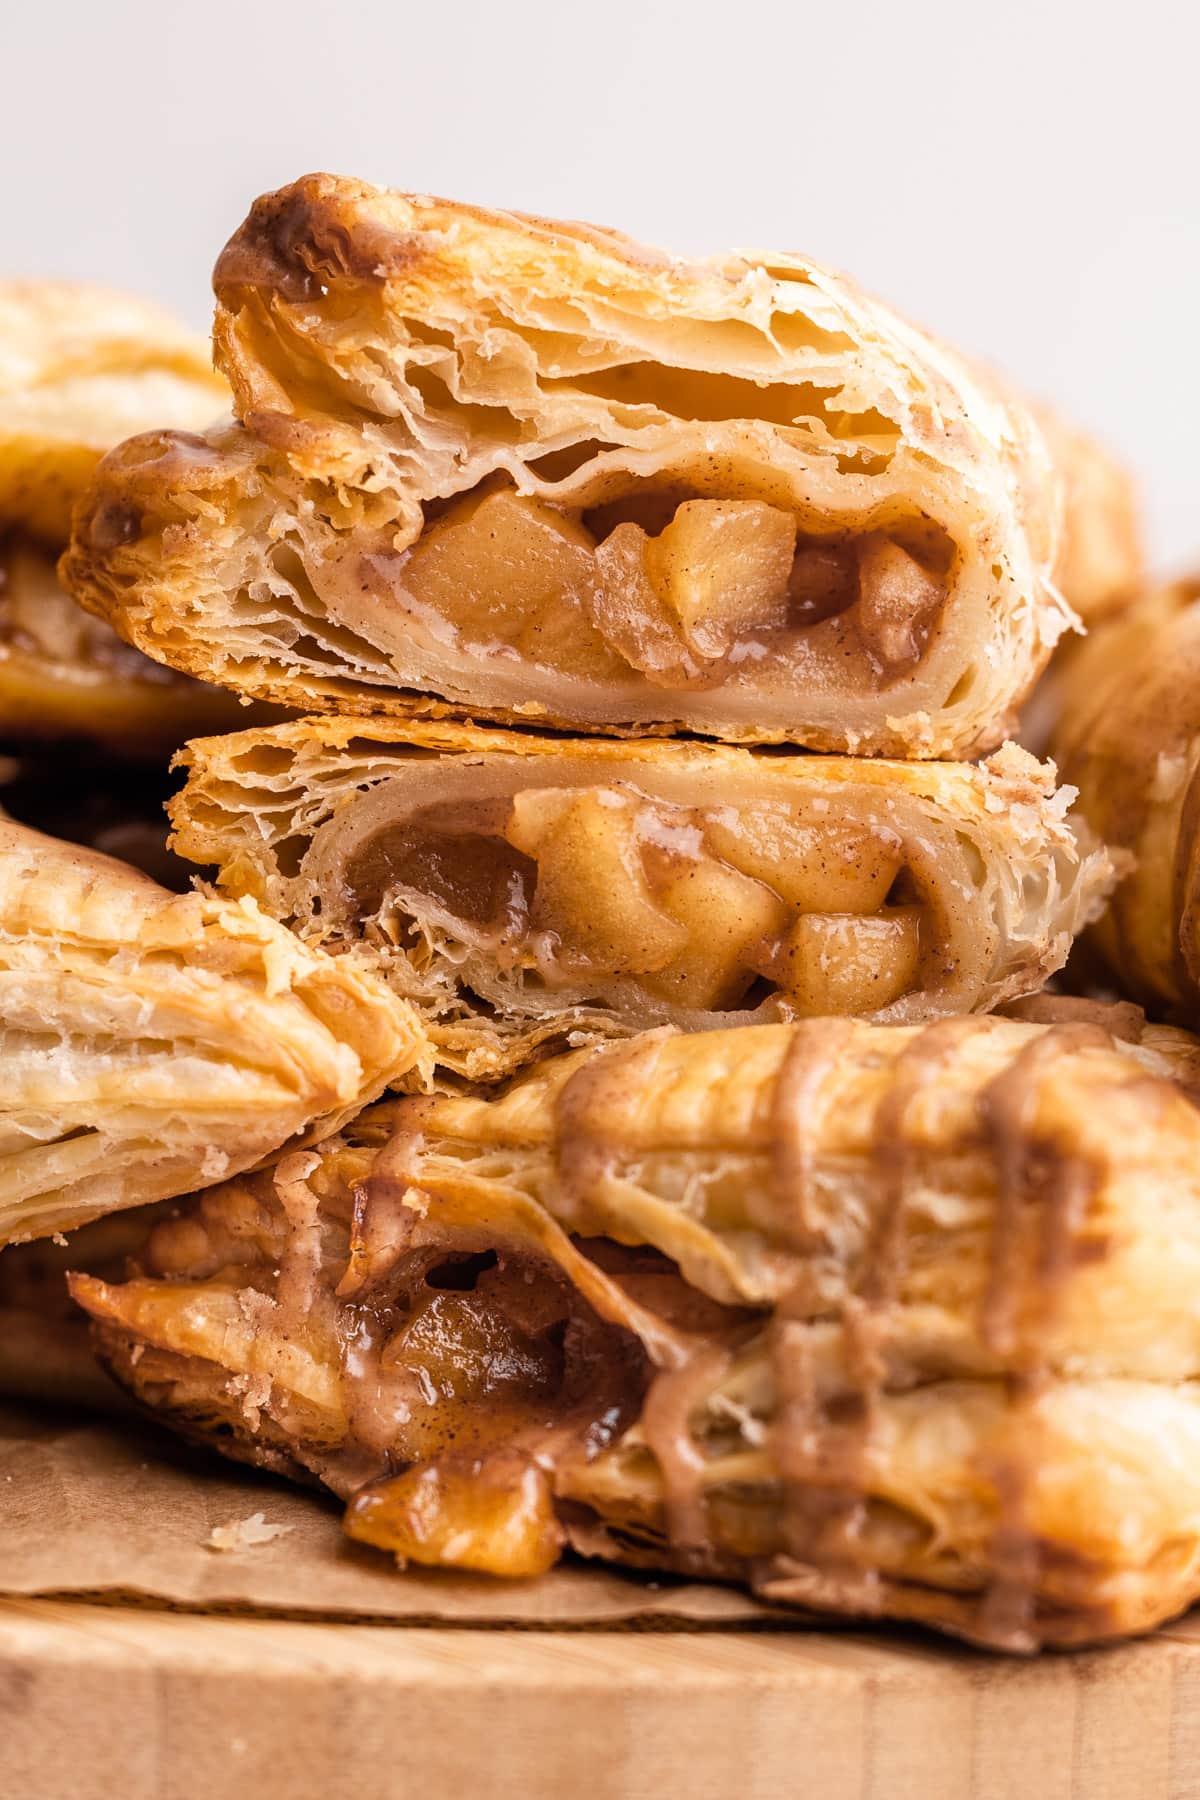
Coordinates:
(1128, 735)
(389, 351)
(82, 367)
(989, 855)
(151, 1040)
(935, 1357)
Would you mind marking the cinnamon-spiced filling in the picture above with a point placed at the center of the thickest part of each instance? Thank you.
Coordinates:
(603, 891)
(680, 588)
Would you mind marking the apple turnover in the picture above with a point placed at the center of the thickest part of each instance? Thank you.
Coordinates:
(66, 677)
(524, 891)
(154, 1041)
(82, 367)
(884, 1321)
(538, 473)
(1128, 734)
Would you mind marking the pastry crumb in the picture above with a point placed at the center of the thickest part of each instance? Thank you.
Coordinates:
(244, 1534)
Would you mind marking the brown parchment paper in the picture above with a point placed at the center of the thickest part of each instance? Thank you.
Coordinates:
(122, 1511)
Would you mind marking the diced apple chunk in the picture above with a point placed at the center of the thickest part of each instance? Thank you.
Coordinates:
(727, 917)
(591, 890)
(634, 618)
(505, 568)
(833, 963)
(898, 601)
(723, 568)
(818, 867)
(534, 813)
(458, 1514)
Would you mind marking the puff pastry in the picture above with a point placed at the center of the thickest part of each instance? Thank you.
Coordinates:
(537, 472)
(1128, 733)
(880, 1320)
(82, 367)
(525, 891)
(151, 1042)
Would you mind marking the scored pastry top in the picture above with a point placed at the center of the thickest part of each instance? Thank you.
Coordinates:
(535, 472)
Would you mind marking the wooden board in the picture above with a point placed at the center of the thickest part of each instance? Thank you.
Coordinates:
(98, 1702)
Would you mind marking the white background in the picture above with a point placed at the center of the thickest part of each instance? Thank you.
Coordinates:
(1021, 177)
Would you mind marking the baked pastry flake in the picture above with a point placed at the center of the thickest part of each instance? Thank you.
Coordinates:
(67, 678)
(82, 367)
(1101, 564)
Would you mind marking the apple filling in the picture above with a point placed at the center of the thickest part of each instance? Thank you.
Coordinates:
(447, 1365)
(608, 893)
(681, 590)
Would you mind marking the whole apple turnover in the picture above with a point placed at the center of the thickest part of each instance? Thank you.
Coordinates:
(66, 677)
(536, 472)
(82, 367)
(152, 1041)
(1128, 733)
(526, 892)
(879, 1320)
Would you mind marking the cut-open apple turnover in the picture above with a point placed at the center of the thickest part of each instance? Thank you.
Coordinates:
(880, 1320)
(524, 891)
(535, 472)
(152, 1042)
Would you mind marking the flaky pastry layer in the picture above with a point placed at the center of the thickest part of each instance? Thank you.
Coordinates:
(1101, 563)
(152, 1042)
(879, 1320)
